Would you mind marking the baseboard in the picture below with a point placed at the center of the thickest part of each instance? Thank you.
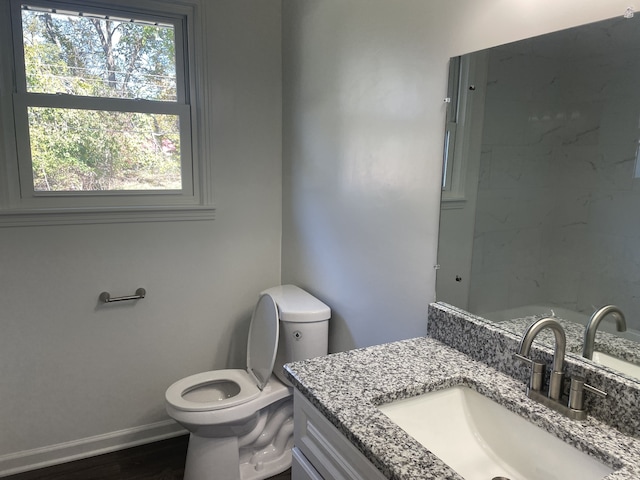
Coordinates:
(87, 447)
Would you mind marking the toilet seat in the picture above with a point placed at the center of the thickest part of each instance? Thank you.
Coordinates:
(248, 390)
(262, 343)
(219, 389)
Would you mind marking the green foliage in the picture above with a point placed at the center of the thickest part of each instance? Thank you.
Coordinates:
(89, 150)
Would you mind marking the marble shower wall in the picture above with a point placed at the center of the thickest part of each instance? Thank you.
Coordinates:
(558, 207)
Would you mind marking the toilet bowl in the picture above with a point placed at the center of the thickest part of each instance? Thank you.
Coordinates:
(241, 421)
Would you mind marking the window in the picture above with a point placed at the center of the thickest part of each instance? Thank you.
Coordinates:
(102, 109)
(461, 131)
(451, 122)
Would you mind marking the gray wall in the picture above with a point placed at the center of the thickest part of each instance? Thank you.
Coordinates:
(363, 118)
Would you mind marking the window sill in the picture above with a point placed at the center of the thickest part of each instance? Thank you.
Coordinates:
(450, 203)
(79, 216)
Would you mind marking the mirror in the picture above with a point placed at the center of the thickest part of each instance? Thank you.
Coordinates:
(540, 211)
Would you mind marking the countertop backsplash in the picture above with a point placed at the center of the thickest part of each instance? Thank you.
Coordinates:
(494, 346)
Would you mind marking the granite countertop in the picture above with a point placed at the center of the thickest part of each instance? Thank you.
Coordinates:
(346, 388)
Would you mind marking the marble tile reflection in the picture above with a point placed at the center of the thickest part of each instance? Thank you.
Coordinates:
(556, 212)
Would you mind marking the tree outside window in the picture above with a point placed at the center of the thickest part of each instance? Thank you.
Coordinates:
(107, 147)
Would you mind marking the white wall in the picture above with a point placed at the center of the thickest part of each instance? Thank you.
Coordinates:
(71, 369)
(363, 118)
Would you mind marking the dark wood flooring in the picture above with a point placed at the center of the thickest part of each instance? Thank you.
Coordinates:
(156, 461)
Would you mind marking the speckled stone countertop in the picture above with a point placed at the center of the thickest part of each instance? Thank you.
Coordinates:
(347, 387)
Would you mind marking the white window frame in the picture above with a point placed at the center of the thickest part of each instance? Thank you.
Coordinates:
(464, 133)
(453, 109)
(21, 205)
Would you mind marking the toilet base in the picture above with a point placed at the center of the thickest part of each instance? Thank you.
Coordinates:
(249, 472)
(260, 454)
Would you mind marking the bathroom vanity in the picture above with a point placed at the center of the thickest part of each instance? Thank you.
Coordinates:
(340, 432)
(322, 451)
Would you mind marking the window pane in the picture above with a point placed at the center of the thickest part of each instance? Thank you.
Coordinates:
(90, 56)
(89, 150)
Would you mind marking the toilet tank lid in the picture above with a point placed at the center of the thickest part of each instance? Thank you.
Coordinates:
(296, 305)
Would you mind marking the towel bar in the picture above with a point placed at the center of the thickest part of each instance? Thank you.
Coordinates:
(106, 296)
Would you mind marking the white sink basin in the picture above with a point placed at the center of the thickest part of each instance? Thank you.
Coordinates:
(622, 366)
(481, 440)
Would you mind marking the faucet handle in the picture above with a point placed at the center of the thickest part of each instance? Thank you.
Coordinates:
(522, 358)
(537, 372)
(576, 394)
(597, 391)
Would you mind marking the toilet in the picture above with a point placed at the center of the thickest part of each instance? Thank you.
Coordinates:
(241, 421)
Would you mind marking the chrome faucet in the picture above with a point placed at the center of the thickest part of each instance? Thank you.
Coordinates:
(574, 406)
(555, 382)
(594, 322)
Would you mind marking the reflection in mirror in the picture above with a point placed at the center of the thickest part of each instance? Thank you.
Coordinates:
(546, 219)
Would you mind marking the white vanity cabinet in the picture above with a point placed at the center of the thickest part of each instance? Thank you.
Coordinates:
(321, 451)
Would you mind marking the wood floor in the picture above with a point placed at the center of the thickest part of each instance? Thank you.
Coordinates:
(156, 461)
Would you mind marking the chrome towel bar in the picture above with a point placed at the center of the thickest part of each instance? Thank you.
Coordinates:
(106, 296)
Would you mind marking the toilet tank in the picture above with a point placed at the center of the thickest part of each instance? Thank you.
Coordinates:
(304, 326)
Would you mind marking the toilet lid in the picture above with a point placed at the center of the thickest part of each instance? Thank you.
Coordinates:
(263, 340)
